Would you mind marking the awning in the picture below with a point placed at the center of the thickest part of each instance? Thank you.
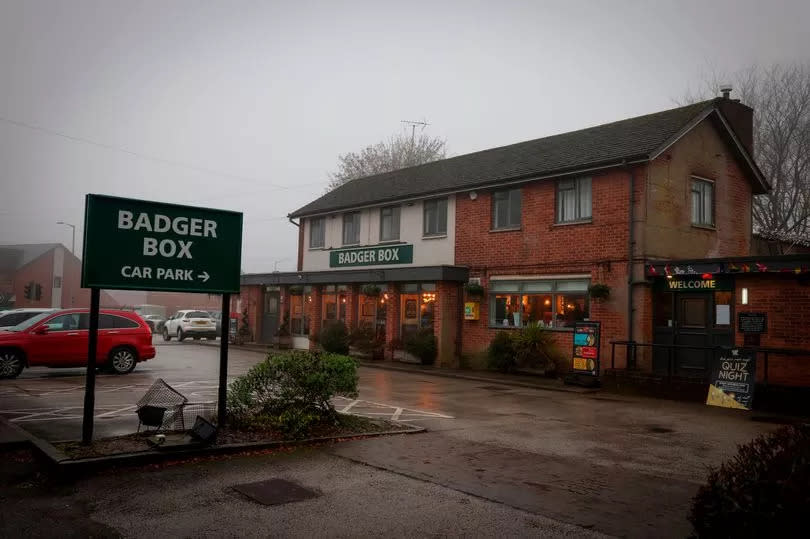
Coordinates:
(458, 274)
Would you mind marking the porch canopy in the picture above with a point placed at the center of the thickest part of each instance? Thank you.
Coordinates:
(424, 273)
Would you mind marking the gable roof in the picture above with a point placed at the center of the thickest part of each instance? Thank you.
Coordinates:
(631, 140)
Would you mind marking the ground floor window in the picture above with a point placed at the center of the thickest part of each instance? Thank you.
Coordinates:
(299, 312)
(552, 303)
(417, 303)
(333, 306)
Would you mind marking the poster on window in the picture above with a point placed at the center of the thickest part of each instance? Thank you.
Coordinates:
(733, 380)
(410, 308)
(586, 348)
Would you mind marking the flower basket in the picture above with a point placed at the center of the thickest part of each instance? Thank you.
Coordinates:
(599, 291)
(371, 290)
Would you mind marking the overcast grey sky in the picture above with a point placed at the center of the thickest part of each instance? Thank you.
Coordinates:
(246, 105)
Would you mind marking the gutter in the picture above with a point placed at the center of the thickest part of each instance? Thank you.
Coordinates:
(290, 219)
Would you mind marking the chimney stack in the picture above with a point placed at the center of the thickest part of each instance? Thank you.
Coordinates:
(739, 116)
(726, 90)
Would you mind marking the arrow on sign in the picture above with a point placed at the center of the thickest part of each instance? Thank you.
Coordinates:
(204, 276)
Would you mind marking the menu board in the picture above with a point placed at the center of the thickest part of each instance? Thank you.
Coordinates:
(586, 348)
(733, 380)
(752, 322)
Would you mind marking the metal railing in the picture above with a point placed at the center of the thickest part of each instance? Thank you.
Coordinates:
(631, 348)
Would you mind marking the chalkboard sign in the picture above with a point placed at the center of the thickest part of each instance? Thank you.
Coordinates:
(586, 348)
(752, 322)
(733, 379)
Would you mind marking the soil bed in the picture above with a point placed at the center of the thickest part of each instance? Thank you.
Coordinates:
(348, 427)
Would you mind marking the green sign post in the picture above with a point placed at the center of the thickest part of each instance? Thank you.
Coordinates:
(140, 245)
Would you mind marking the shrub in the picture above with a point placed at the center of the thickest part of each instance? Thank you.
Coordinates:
(762, 491)
(291, 391)
(365, 339)
(334, 338)
(501, 352)
(423, 345)
(535, 348)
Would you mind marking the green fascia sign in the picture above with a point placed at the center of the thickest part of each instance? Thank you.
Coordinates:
(371, 256)
(140, 245)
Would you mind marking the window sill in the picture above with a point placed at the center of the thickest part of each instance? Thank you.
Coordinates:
(505, 229)
(350, 245)
(317, 249)
(390, 242)
(434, 237)
(571, 223)
(711, 228)
(564, 330)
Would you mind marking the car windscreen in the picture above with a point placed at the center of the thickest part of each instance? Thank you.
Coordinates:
(198, 314)
(30, 322)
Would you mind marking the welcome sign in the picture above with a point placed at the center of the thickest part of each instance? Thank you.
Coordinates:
(371, 256)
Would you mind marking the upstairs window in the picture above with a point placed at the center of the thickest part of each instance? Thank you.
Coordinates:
(435, 217)
(702, 202)
(389, 223)
(506, 209)
(573, 200)
(351, 228)
(316, 232)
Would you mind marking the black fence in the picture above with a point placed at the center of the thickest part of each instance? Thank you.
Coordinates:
(672, 363)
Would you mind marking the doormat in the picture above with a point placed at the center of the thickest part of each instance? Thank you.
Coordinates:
(275, 492)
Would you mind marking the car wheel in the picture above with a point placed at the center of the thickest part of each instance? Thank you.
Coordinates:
(11, 363)
(122, 360)
(166, 336)
(180, 336)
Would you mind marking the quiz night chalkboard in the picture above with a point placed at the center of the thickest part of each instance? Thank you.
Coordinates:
(586, 348)
(752, 322)
(733, 379)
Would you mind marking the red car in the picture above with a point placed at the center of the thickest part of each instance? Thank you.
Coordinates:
(60, 339)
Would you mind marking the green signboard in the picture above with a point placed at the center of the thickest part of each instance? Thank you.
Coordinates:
(141, 245)
(696, 283)
(371, 256)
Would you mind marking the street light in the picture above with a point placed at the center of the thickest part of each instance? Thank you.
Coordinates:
(73, 240)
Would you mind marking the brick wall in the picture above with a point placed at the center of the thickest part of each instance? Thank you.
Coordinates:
(786, 300)
(542, 248)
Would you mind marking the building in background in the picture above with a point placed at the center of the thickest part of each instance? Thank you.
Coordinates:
(43, 275)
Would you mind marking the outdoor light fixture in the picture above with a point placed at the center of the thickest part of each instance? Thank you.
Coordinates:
(744, 293)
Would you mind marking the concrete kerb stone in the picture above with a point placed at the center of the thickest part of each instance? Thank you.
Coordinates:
(433, 372)
(66, 466)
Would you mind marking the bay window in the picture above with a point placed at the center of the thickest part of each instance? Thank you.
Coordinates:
(551, 303)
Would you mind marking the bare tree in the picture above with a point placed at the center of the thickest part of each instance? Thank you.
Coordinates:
(780, 97)
(399, 151)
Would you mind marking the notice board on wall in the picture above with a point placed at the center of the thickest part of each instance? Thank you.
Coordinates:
(587, 337)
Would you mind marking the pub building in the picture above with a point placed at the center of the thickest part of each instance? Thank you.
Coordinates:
(644, 225)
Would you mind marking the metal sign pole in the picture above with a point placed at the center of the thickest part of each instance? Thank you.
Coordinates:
(222, 395)
(90, 377)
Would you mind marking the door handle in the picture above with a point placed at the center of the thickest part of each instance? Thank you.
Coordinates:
(111, 332)
(72, 333)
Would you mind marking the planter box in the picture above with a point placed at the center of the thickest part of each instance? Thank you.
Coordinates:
(405, 357)
(283, 343)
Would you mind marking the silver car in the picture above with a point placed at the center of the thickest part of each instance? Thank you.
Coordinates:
(13, 317)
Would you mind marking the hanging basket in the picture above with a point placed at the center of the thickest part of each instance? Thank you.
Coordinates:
(296, 290)
(474, 290)
(599, 291)
(371, 290)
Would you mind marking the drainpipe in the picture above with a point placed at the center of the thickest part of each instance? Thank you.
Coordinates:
(630, 248)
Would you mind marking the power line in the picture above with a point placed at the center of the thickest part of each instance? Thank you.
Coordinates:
(139, 155)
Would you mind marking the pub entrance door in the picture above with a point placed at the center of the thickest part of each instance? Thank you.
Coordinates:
(270, 315)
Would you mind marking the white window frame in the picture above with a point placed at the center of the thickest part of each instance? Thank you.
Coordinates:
(441, 229)
(510, 201)
(394, 216)
(698, 215)
(578, 187)
(322, 225)
(356, 218)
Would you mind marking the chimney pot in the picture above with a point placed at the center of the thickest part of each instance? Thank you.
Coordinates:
(725, 89)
